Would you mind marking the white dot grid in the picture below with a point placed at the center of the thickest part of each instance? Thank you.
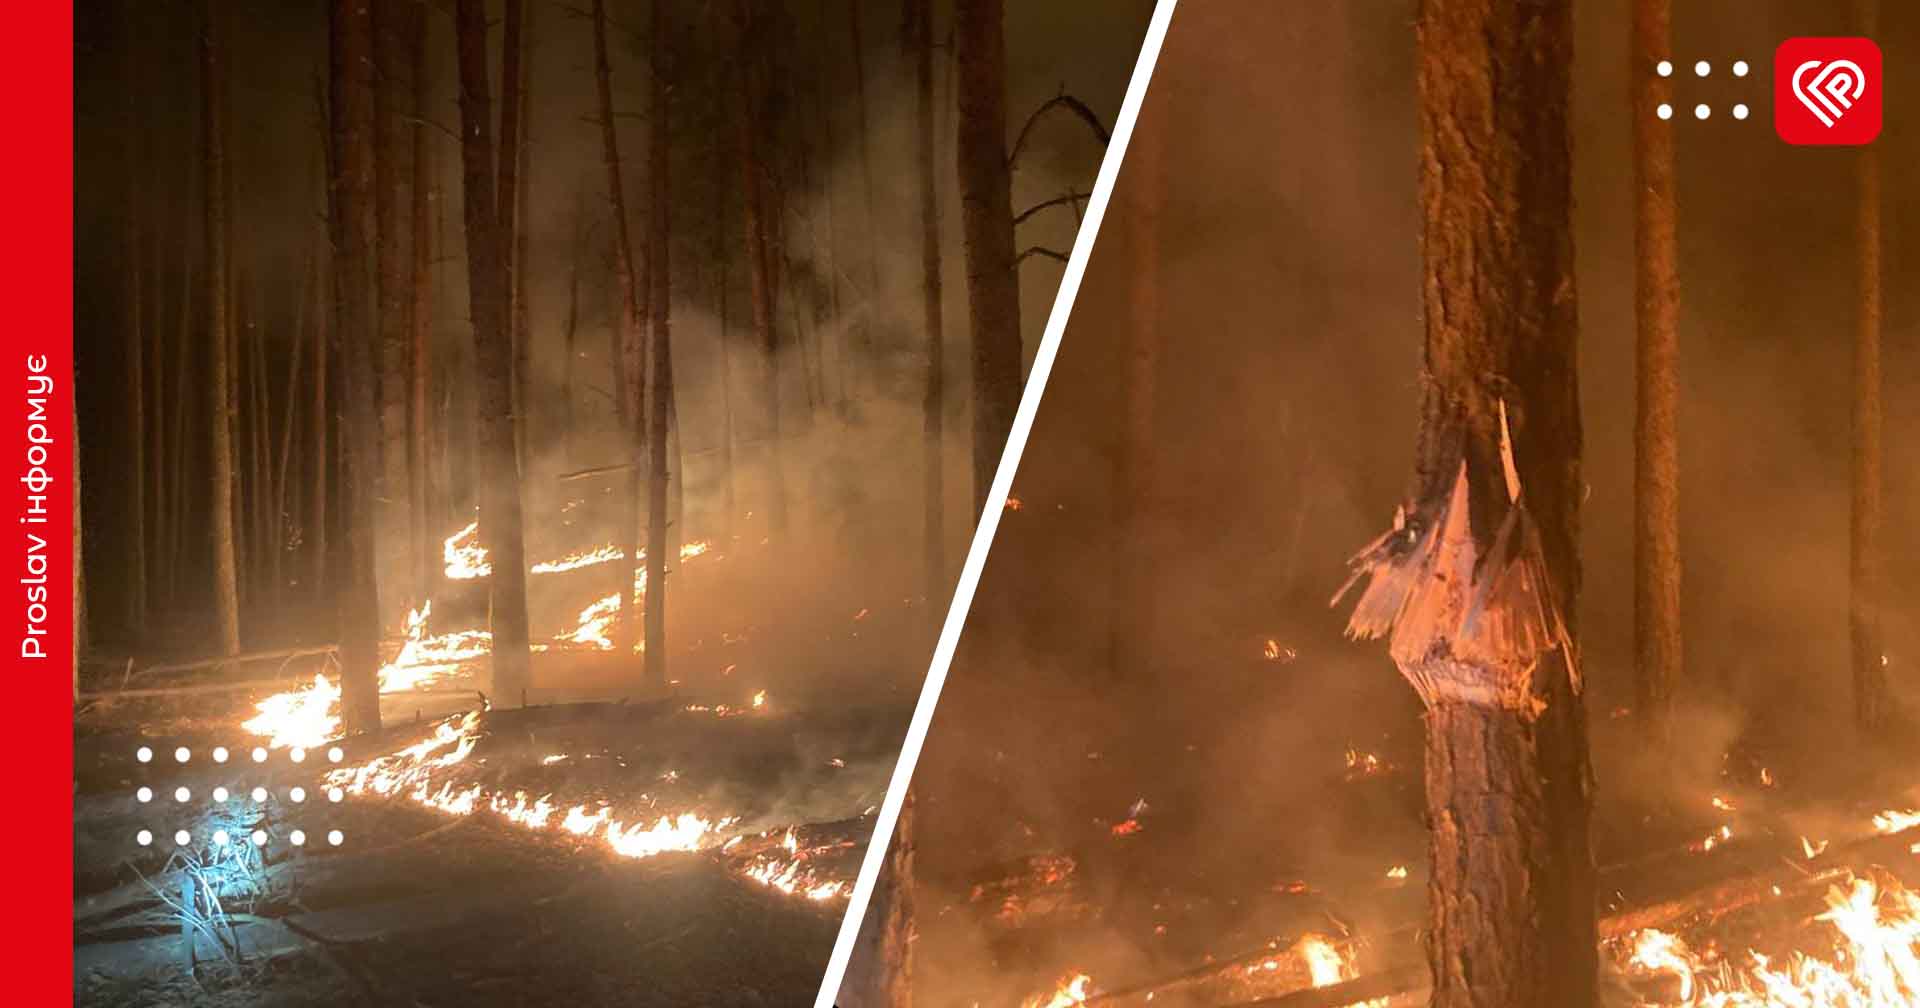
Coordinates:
(1702, 68)
(221, 754)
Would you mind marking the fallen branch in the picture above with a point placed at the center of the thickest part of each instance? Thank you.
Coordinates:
(239, 659)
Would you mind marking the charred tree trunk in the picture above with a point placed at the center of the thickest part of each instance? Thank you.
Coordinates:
(508, 196)
(661, 399)
(919, 45)
(1866, 568)
(986, 214)
(420, 318)
(630, 394)
(880, 974)
(500, 519)
(356, 339)
(860, 341)
(226, 590)
(137, 320)
(755, 211)
(394, 269)
(1656, 526)
(522, 264)
(1475, 582)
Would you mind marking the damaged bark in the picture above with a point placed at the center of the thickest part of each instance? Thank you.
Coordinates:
(1473, 584)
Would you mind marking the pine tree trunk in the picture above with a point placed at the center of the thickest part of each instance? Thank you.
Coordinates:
(1871, 701)
(420, 317)
(860, 337)
(1656, 527)
(358, 341)
(919, 44)
(393, 94)
(725, 353)
(139, 279)
(1476, 584)
(226, 591)
(661, 399)
(986, 215)
(755, 212)
(522, 264)
(501, 527)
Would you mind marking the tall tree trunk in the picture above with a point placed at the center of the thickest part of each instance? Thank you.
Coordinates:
(630, 392)
(488, 285)
(357, 340)
(1871, 700)
(860, 337)
(508, 197)
(226, 590)
(659, 403)
(139, 279)
(919, 46)
(393, 94)
(1476, 582)
(755, 214)
(522, 263)
(986, 216)
(1656, 526)
(570, 370)
(725, 352)
(420, 318)
(880, 973)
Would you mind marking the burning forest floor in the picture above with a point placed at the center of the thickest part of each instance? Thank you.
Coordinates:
(608, 844)
(1788, 882)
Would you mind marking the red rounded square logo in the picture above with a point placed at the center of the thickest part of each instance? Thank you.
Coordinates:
(1826, 91)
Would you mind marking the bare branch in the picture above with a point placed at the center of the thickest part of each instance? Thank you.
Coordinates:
(1073, 198)
(1035, 250)
(1071, 104)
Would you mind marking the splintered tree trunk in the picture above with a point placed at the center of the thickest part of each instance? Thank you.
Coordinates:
(420, 317)
(986, 215)
(630, 383)
(1132, 638)
(226, 588)
(919, 43)
(500, 520)
(357, 340)
(1871, 701)
(661, 399)
(1475, 582)
(391, 172)
(1656, 526)
(753, 201)
(881, 972)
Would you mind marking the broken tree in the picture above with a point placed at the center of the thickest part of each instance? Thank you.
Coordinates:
(1475, 584)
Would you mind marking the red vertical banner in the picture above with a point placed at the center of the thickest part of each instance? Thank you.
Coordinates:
(42, 464)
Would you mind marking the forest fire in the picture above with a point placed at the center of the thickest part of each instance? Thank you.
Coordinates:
(1074, 989)
(1870, 959)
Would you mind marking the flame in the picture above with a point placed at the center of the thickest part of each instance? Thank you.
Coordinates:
(1874, 962)
(1397, 873)
(304, 718)
(464, 556)
(1896, 820)
(1326, 965)
(1074, 989)
(1365, 764)
(575, 561)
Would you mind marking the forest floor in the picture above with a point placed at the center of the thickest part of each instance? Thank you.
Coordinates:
(429, 901)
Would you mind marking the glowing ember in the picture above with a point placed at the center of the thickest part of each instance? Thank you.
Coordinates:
(1398, 873)
(1712, 840)
(1365, 764)
(1895, 820)
(575, 561)
(1874, 963)
(1074, 989)
(304, 718)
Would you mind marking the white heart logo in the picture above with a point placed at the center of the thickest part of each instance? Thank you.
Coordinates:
(1833, 89)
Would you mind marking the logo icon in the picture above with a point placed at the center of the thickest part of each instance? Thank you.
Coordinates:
(1826, 91)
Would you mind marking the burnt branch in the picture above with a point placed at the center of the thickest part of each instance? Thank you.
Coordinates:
(1073, 199)
(1045, 253)
(1060, 101)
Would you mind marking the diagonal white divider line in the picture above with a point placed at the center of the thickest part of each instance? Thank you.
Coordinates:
(995, 505)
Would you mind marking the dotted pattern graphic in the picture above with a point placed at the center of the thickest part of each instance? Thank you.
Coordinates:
(183, 756)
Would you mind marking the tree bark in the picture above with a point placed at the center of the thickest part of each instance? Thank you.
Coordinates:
(392, 149)
(500, 518)
(1872, 702)
(420, 317)
(1474, 583)
(139, 279)
(1656, 527)
(860, 337)
(226, 591)
(919, 46)
(986, 213)
(661, 400)
(357, 340)
(522, 264)
(753, 201)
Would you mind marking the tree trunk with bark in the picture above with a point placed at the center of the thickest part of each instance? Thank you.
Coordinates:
(420, 318)
(919, 45)
(139, 279)
(1475, 583)
(357, 340)
(755, 217)
(393, 93)
(1656, 526)
(226, 589)
(661, 399)
(860, 339)
(501, 528)
(1872, 703)
(986, 214)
